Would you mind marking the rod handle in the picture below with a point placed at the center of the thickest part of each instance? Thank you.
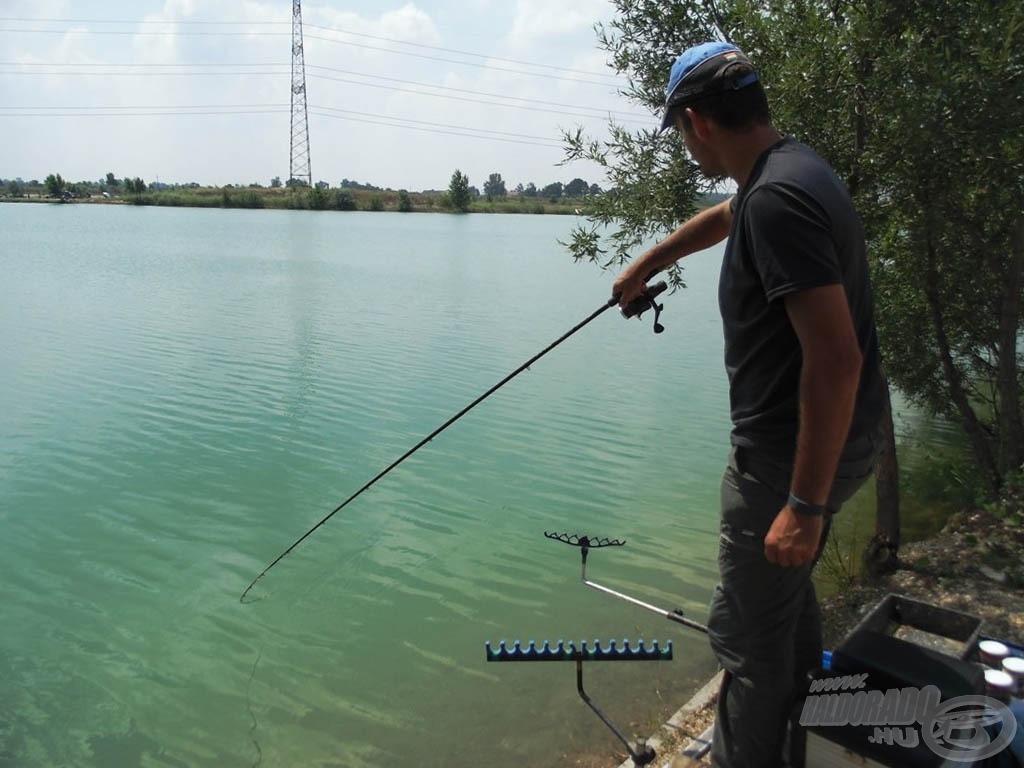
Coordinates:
(645, 300)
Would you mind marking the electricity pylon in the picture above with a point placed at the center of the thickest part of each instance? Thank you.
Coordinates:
(299, 169)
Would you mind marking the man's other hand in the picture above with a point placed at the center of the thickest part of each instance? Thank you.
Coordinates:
(793, 539)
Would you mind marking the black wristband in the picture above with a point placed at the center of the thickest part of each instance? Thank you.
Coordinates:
(805, 508)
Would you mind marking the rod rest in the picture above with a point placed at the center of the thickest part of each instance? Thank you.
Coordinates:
(563, 652)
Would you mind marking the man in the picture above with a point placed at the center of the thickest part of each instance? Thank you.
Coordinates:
(801, 354)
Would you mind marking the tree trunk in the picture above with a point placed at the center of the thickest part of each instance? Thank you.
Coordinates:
(1010, 428)
(882, 552)
(954, 383)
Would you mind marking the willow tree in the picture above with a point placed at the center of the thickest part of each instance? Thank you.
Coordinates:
(918, 107)
(945, 179)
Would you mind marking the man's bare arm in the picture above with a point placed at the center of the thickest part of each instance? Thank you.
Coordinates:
(828, 386)
(828, 391)
(703, 230)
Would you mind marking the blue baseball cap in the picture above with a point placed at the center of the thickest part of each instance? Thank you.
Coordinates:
(703, 70)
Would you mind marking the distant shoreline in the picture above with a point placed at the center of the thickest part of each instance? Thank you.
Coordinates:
(329, 199)
(319, 200)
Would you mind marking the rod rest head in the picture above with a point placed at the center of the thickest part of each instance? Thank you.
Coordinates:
(570, 652)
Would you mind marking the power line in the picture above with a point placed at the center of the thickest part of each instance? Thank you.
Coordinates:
(321, 111)
(156, 106)
(146, 74)
(162, 33)
(471, 135)
(465, 98)
(463, 63)
(461, 53)
(159, 113)
(371, 118)
(133, 64)
(339, 30)
(520, 102)
(167, 33)
(602, 112)
(483, 131)
(477, 101)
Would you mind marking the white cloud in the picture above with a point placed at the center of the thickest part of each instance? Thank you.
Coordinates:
(38, 9)
(538, 21)
(407, 24)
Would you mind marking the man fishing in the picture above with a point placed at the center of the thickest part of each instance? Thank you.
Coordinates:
(806, 394)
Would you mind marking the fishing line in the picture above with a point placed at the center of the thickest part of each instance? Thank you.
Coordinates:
(252, 714)
(641, 304)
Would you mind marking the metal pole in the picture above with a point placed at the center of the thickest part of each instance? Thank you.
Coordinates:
(675, 616)
(646, 753)
(299, 164)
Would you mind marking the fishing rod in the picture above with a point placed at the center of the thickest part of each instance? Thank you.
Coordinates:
(635, 308)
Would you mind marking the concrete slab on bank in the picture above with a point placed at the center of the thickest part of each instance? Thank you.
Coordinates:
(671, 730)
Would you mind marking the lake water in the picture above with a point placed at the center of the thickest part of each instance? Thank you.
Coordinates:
(185, 392)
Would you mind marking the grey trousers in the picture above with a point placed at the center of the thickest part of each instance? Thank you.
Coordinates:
(764, 623)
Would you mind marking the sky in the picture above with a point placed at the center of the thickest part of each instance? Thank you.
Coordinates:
(399, 93)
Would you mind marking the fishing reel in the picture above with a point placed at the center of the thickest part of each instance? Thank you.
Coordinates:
(643, 302)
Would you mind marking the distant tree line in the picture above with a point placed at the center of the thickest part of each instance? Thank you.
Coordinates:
(461, 193)
(349, 195)
(494, 188)
(56, 186)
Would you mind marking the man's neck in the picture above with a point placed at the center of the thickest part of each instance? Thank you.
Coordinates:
(746, 148)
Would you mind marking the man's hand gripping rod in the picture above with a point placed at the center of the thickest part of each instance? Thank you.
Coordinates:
(585, 543)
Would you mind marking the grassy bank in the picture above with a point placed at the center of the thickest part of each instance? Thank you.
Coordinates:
(325, 199)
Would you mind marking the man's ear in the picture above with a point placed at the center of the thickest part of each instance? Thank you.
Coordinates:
(700, 124)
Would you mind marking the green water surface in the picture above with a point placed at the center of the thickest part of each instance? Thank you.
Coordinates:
(184, 392)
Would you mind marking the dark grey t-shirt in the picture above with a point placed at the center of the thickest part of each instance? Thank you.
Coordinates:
(794, 227)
